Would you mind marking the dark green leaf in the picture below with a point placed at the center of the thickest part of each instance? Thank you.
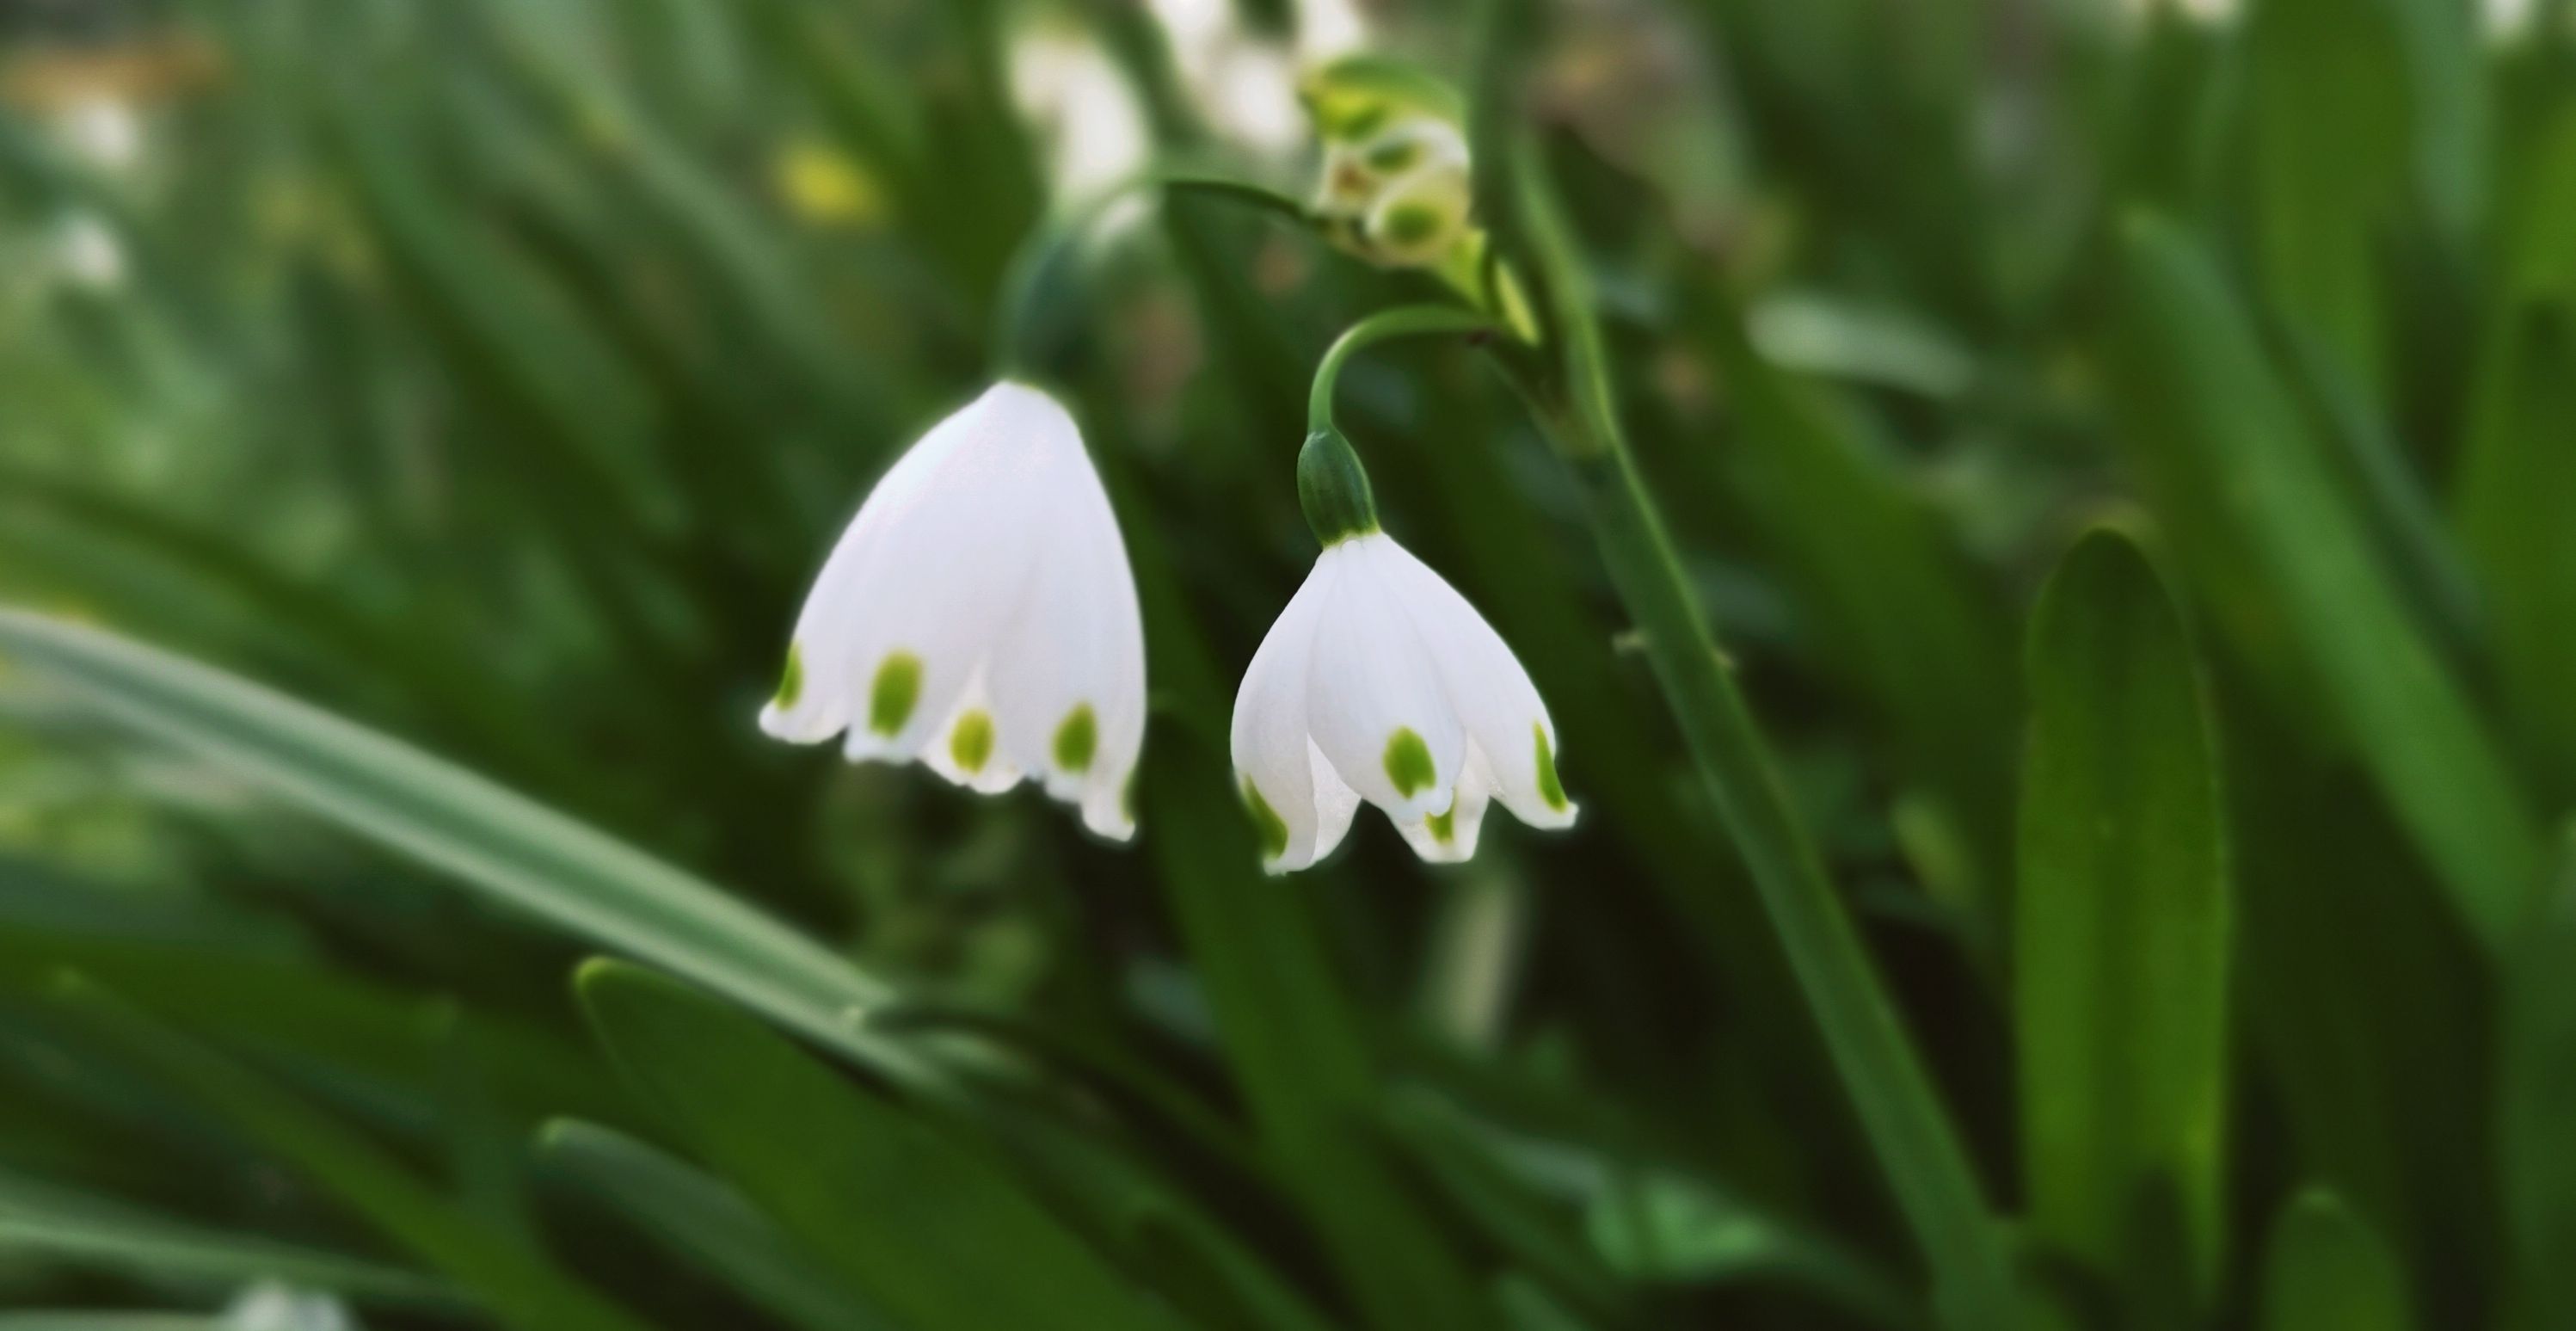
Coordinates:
(2326, 1271)
(909, 1215)
(514, 1283)
(704, 1223)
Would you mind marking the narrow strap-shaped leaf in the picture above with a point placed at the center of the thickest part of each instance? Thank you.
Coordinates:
(928, 1227)
(2327, 1271)
(62, 1226)
(516, 1285)
(2330, 138)
(704, 1223)
(503, 844)
(2536, 1132)
(2243, 480)
(2122, 930)
(2517, 471)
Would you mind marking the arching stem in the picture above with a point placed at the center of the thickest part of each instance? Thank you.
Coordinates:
(1403, 321)
(1015, 311)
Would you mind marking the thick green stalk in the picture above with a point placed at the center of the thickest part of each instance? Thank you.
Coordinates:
(1927, 1168)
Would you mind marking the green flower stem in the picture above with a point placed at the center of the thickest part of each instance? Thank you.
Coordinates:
(1403, 321)
(1926, 1166)
(1015, 311)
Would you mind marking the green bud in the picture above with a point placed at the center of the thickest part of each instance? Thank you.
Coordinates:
(1356, 96)
(1333, 488)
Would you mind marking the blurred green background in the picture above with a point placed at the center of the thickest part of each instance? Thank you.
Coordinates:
(492, 375)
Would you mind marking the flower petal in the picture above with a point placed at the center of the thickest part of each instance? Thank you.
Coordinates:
(1275, 761)
(1505, 721)
(1069, 677)
(826, 680)
(950, 565)
(1450, 838)
(1375, 702)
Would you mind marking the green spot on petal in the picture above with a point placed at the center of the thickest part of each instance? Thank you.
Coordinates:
(791, 682)
(897, 688)
(1444, 826)
(1549, 788)
(1411, 224)
(1389, 158)
(1266, 821)
(1408, 762)
(971, 742)
(1077, 739)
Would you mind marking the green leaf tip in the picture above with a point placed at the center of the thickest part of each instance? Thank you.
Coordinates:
(1077, 740)
(970, 742)
(896, 689)
(1550, 787)
(595, 973)
(1408, 762)
(1266, 821)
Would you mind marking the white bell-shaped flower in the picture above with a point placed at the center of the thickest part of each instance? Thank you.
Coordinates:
(1380, 683)
(979, 615)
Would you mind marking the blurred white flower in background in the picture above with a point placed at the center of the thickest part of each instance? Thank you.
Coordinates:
(2207, 11)
(272, 1306)
(2508, 18)
(87, 253)
(1087, 116)
(103, 131)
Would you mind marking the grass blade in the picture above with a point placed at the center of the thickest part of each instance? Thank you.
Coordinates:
(2328, 1272)
(511, 848)
(2253, 492)
(904, 1213)
(702, 1222)
(53, 1225)
(2123, 930)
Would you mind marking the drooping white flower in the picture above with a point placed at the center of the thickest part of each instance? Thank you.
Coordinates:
(1380, 683)
(979, 615)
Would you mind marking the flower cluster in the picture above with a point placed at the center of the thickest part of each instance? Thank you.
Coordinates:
(1396, 188)
(979, 615)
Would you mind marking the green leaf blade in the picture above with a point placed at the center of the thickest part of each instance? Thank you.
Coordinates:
(2329, 1272)
(2123, 926)
(512, 849)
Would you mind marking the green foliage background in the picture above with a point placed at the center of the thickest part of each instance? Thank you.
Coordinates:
(2128, 459)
